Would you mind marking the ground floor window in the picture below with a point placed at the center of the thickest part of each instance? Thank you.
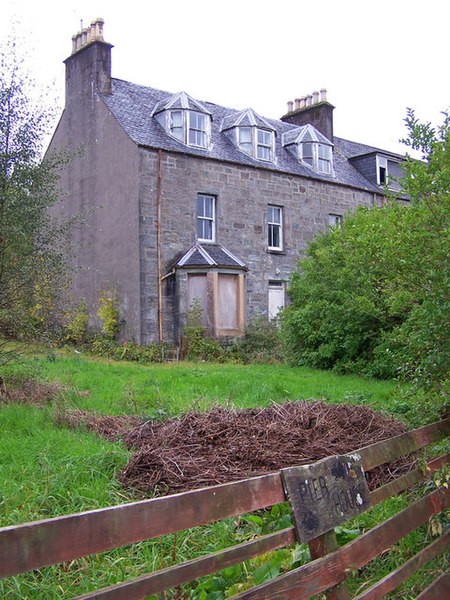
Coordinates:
(221, 299)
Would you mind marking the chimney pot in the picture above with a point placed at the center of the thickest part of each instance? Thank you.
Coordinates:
(297, 103)
(315, 97)
(290, 106)
(74, 43)
(308, 100)
(99, 22)
(323, 95)
(303, 102)
(84, 33)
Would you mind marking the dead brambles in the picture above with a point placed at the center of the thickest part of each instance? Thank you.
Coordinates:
(222, 445)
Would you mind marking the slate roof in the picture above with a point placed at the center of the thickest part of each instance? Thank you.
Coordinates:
(244, 118)
(209, 255)
(353, 149)
(180, 101)
(132, 105)
(305, 133)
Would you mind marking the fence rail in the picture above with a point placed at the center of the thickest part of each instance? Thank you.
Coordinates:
(34, 545)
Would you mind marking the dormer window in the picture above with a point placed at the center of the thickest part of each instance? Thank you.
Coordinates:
(316, 155)
(264, 144)
(245, 139)
(197, 129)
(256, 142)
(251, 134)
(382, 170)
(190, 127)
(176, 124)
(185, 119)
(310, 147)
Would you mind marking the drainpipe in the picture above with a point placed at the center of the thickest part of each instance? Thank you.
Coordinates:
(158, 246)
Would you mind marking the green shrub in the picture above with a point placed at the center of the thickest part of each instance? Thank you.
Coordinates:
(77, 326)
(108, 312)
(195, 344)
(262, 342)
(155, 353)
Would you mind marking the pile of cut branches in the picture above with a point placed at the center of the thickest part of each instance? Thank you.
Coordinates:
(222, 445)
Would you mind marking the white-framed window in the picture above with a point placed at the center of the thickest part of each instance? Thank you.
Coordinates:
(176, 127)
(274, 227)
(264, 144)
(256, 142)
(245, 139)
(335, 220)
(316, 155)
(190, 127)
(324, 158)
(206, 218)
(197, 132)
(382, 171)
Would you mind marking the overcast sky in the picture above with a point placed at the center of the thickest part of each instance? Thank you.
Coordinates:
(374, 58)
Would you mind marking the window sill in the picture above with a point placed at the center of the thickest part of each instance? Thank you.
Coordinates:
(275, 251)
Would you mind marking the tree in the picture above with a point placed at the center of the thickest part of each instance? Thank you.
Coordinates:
(373, 297)
(32, 260)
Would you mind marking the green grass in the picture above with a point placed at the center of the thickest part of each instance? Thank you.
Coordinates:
(121, 387)
(48, 470)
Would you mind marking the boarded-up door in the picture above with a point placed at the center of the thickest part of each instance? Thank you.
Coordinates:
(197, 294)
(276, 298)
(227, 317)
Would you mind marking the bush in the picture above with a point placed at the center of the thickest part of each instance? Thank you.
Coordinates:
(155, 353)
(262, 342)
(108, 312)
(195, 344)
(77, 326)
(373, 297)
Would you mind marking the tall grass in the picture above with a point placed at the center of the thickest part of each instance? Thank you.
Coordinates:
(118, 387)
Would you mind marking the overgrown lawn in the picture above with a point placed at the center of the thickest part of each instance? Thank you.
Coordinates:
(49, 470)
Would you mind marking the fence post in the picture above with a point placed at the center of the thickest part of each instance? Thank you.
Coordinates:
(320, 546)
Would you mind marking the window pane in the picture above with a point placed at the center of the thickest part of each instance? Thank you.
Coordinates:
(245, 135)
(264, 153)
(324, 166)
(208, 206)
(177, 118)
(307, 150)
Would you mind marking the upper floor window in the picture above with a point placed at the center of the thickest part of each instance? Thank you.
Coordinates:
(245, 139)
(318, 156)
(382, 170)
(275, 228)
(176, 124)
(190, 127)
(206, 218)
(310, 147)
(198, 131)
(256, 142)
(335, 220)
(264, 144)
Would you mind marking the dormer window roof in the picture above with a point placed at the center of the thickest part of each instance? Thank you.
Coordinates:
(310, 147)
(185, 119)
(252, 134)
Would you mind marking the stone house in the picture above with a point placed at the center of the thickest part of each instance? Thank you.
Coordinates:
(184, 199)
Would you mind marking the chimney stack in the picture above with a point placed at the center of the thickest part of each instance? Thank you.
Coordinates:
(88, 68)
(313, 109)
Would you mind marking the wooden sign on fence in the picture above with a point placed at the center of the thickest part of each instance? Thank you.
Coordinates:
(325, 494)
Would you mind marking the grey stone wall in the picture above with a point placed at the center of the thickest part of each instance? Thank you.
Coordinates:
(243, 194)
(100, 188)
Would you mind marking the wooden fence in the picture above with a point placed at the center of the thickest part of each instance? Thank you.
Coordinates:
(47, 542)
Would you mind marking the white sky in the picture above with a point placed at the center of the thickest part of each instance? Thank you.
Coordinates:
(374, 58)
